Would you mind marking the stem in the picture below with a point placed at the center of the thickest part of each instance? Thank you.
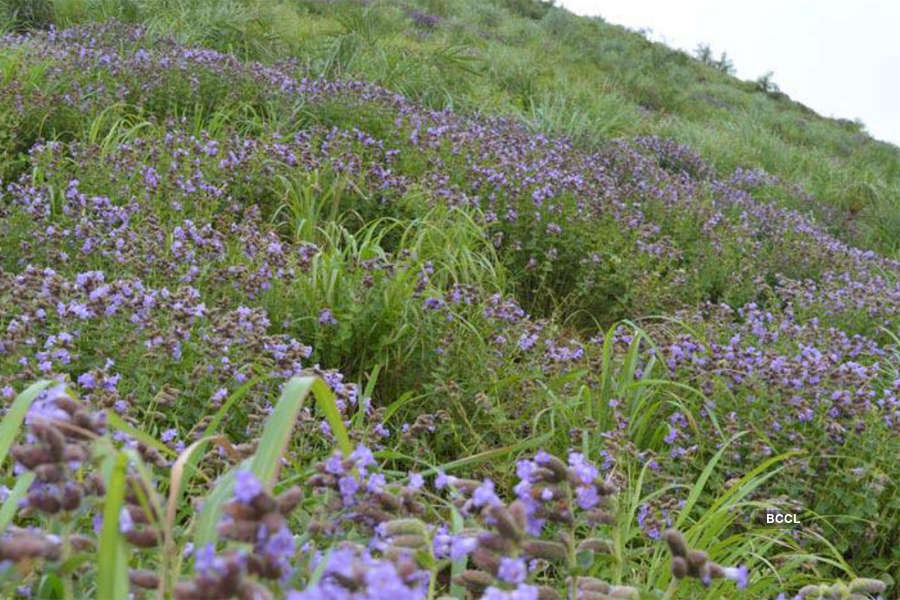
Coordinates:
(670, 590)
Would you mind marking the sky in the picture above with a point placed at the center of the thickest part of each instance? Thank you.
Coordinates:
(840, 58)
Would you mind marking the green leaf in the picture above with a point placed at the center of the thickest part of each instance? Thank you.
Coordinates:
(8, 510)
(205, 529)
(276, 434)
(273, 443)
(12, 420)
(112, 554)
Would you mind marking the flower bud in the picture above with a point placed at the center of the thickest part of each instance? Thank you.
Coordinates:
(519, 513)
(695, 559)
(289, 499)
(545, 549)
(677, 544)
(251, 590)
(867, 586)
(51, 436)
(48, 472)
(624, 591)
(591, 584)
(679, 567)
(495, 542)
(485, 559)
(31, 456)
(597, 545)
(71, 496)
(403, 526)
(474, 580)
(144, 579)
(142, 538)
(409, 540)
(506, 524)
(548, 593)
(263, 503)
(809, 591)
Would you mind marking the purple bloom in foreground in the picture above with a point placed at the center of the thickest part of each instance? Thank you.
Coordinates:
(246, 487)
(738, 574)
(512, 570)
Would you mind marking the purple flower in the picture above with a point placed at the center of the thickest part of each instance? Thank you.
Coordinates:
(484, 495)
(246, 487)
(738, 574)
(326, 317)
(512, 570)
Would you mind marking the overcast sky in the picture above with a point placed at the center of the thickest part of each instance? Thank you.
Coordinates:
(841, 58)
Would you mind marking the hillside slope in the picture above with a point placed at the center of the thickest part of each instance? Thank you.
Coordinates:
(500, 235)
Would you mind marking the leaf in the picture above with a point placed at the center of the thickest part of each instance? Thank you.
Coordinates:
(276, 434)
(328, 405)
(205, 529)
(112, 562)
(12, 420)
(8, 510)
(273, 443)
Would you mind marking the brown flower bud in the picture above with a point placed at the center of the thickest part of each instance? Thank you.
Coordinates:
(44, 501)
(75, 452)
(474, 580)
(143, 578)
(51, 436)
(485, 560)
(495, 542)
(250, 590)
(239, 530)
(519, 513)
(389, 501)
(81, 543)
(558, 467)
(542, 474)
(695, 559)
(548, 593)
(679, 567)
(31, 456)
(596, 545)
(241, 511)
(94, 484)
(677, 545)
(289, 499)
(264, 503)
(545, 549)
(591, 584)
(715, 571)
(142, 538)
(598, 515)
(71, 496)
(506, 524)
(48, 472)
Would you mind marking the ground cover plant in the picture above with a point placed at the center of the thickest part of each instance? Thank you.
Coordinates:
(288, 311)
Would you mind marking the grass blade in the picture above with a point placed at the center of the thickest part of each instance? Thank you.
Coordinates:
(12, 420)
(112, 563)
(276, 434)
(8, 510)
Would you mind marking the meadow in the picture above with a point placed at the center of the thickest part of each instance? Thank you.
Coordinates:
(436, 299)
